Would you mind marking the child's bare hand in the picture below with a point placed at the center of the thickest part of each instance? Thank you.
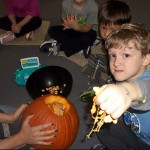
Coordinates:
(70, 22)
(114, 99)
(16, 28)
(36, 135)
(14, 116)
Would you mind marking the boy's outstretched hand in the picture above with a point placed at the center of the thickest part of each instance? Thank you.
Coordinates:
(115, 99)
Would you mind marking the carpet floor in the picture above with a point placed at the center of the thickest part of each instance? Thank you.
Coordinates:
(13, 94)
(38, 38)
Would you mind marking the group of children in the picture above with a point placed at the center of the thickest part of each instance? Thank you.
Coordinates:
(111, 15)
(127, 54)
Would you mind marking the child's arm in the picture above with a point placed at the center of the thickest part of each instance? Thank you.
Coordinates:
(144, 103)
(116, 99)
(71, 22)
(9, 118)
(16, 28)
(80, 28)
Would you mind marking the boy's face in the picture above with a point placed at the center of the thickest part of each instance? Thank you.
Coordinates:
(126, 62)
(105, 30)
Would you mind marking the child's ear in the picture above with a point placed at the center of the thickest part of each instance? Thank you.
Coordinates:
(146, 60)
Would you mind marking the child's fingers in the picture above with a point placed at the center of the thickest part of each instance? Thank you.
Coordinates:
(116, 114)
(41, 127)
(102, 97)
(27, 120)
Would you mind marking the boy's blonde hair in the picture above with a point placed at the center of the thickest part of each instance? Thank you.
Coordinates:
(130, 32)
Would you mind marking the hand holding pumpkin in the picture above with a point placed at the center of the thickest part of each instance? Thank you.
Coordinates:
(58, 110)
(12, 117)
(36, 134)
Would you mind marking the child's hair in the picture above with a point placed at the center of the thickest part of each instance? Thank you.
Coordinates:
(135, 33)
(114, 12)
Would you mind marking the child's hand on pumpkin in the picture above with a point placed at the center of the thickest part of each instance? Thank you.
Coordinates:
(12, 117)
(37, 134)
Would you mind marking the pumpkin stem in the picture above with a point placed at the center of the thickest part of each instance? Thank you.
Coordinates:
(57, 108)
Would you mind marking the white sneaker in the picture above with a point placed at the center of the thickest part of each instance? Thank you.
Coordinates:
(29, 36)
(81, 52)
(50, 47)
(7, 37)
(87, 52)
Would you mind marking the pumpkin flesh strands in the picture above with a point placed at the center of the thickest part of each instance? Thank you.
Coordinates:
(99, 115)
(57, 108)
(98, 119)
(53, 90)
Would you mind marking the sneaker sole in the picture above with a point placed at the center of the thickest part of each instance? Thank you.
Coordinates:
(46, 42)
(87, 53)
(45, 46)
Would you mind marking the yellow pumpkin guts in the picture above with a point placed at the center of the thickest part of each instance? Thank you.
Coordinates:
(99, 115)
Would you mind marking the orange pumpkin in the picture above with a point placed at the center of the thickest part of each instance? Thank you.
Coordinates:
(59, 111)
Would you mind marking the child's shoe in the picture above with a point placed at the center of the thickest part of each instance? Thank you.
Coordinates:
(7, 37)
(98, 147)
(87, 95)
(51, 47)
(29, 36)
(87, 52)
(81, 52)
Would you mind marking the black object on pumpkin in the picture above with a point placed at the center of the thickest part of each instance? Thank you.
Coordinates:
(49, 80)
